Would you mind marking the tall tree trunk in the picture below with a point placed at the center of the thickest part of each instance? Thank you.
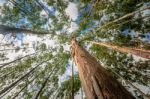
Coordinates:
(5, 64)
(135, 51)
(17, 81)
(14, 97)
(121, 18)
(4, 29)
(11, 49)
(72, 87)
(96, 81)
(42, 7)
(44, 84)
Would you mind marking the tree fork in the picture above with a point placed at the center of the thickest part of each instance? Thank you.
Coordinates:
(96, 81)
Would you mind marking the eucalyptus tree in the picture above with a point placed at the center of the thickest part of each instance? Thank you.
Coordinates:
(6, 29)
(43, 81)
(96, 82)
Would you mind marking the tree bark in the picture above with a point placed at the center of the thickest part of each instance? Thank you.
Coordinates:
(135, 51)
(96, 81)
(4, 29)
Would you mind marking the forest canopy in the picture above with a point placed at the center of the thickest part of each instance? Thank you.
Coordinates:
(47, 46)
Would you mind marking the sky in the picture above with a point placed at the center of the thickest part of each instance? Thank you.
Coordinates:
(71, 11)
(2, 1)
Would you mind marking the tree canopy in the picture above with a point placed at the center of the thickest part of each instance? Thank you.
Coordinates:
(35, 54)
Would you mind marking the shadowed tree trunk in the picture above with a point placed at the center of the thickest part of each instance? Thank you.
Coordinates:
(135, 51)
(12, 49)
(6, 29)
(96, 81)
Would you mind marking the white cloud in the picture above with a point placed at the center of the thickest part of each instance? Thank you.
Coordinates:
(72, 11)
(73, 27)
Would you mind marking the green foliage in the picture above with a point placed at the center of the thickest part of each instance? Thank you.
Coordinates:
(66, 87)
(100, 13)
(121, 64)
(122, 40)
(85, 1)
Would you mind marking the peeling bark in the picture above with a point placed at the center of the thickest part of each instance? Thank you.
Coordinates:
(96, 81)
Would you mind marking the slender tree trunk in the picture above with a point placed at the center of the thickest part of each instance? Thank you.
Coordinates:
(14, 97)
(17, 5)
(121, 18)
(5, 64)
(4, 29)
(135, 51)
(44, 84)
(14, 83)
(72, 94)
(42, 6)
(81, 93)
(15, 49)
(96, 81)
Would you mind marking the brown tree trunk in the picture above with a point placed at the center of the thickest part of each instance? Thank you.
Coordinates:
(6, 29)
(135, 51)
(96, 81)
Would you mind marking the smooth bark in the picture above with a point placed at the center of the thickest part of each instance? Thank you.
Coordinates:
(96, 81)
